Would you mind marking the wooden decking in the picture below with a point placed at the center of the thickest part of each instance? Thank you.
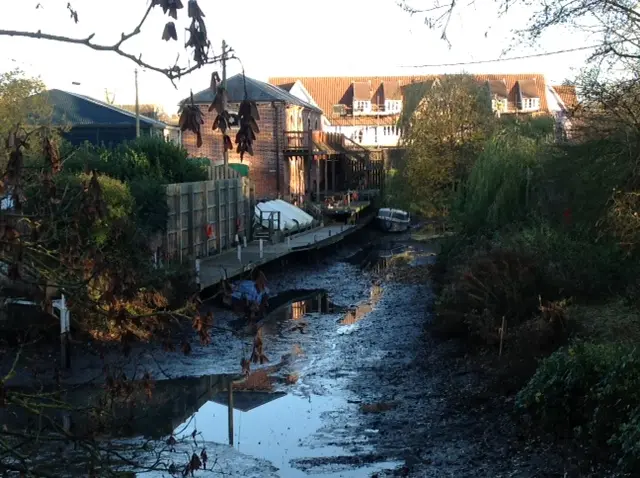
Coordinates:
(227, 265)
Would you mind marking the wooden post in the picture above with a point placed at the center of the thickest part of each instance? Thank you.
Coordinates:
(230, 410)
(333, 174)
(205, 205)
(218, 227)
(137, 107)
(178, 199)
(326, 176)
(225, 153)
(318, 179)
(191, 220)
(502, 330)
(309, 153)
(229, 236)
(65, 346)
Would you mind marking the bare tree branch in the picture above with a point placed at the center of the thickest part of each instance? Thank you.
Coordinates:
(198, 41)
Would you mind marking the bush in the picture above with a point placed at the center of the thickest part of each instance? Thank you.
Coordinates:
(146, 165)
(496, 193)
(143, 158)
(494, 284)
(574, 265)
(590, 390)
(168, 160)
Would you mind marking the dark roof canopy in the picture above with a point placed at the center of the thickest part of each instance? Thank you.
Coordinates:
(257, 91)
(72, 109)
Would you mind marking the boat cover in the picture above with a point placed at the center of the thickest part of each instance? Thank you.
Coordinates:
(246, 289)
(290, 215)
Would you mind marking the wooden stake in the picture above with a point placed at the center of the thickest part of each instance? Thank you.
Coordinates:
(502, 330)
(230, 411)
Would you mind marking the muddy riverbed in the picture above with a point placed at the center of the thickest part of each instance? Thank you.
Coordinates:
(353, 386)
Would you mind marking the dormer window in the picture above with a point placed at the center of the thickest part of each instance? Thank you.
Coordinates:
(499, 95)
(361, 97)
(393, 106)
(528, 97)
(361, 106)
(391, 94)
(531, 104)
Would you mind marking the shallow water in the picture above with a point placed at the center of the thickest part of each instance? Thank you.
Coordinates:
(300, 413)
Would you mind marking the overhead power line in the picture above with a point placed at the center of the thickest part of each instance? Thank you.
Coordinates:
(511, 58)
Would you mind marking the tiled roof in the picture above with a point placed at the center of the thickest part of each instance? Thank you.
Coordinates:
(391, 90)
(567, 94)
(361, 90)
(257, 91)
(72, 109)
(511, 81)
(528, 88)
(329, 91)
(498, 88)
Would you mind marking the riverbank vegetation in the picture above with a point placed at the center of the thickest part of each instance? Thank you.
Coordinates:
(541, 274)
(118, 292)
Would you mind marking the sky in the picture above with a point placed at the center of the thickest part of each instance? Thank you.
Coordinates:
(273, 38)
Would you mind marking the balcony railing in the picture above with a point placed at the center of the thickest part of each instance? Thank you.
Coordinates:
(374, 110)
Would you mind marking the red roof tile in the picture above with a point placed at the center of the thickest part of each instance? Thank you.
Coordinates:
(330, 91)
(361, 90)
(567, 94)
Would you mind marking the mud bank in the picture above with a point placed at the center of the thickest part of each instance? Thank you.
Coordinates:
(353, 387)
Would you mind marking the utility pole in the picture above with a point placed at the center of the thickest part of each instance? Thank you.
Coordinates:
(137, 108)
(225, 153)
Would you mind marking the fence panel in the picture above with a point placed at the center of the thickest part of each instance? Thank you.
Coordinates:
(204, 217)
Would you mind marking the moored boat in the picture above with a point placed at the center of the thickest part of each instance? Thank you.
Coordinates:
(393, 220)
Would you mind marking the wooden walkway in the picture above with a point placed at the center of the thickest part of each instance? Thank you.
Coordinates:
(227, 265)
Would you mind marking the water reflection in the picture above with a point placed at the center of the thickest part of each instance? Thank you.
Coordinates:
(276, 430)
(293, 305)
(356, 314)
(126, 409)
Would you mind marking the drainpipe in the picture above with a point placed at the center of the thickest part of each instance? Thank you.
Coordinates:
(276, 134)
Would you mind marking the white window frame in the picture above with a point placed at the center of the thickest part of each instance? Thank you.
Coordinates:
(531, 104)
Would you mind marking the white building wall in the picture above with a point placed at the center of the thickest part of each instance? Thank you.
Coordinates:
(559, 111)
(369, 136)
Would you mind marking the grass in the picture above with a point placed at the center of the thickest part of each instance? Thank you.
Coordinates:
(610, 322)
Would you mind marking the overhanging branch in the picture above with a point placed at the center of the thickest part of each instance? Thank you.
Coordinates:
(198, 42)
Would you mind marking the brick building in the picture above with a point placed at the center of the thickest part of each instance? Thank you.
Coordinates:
(281, 113)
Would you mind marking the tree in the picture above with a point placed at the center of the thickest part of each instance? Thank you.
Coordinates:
(616, 23)
(20, 104)
(75, 234)
(443, 138)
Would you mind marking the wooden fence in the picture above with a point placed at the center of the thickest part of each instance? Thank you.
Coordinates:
(204, 217)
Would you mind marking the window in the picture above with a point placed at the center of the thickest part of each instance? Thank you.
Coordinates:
(361, 105)
(531, 103)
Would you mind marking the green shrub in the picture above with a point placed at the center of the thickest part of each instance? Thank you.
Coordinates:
(627, 441)
(144, 158)
(576, 266)
(151, 208)
(496, 193)
(146, 165)
(168, 160)
(592, 390)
